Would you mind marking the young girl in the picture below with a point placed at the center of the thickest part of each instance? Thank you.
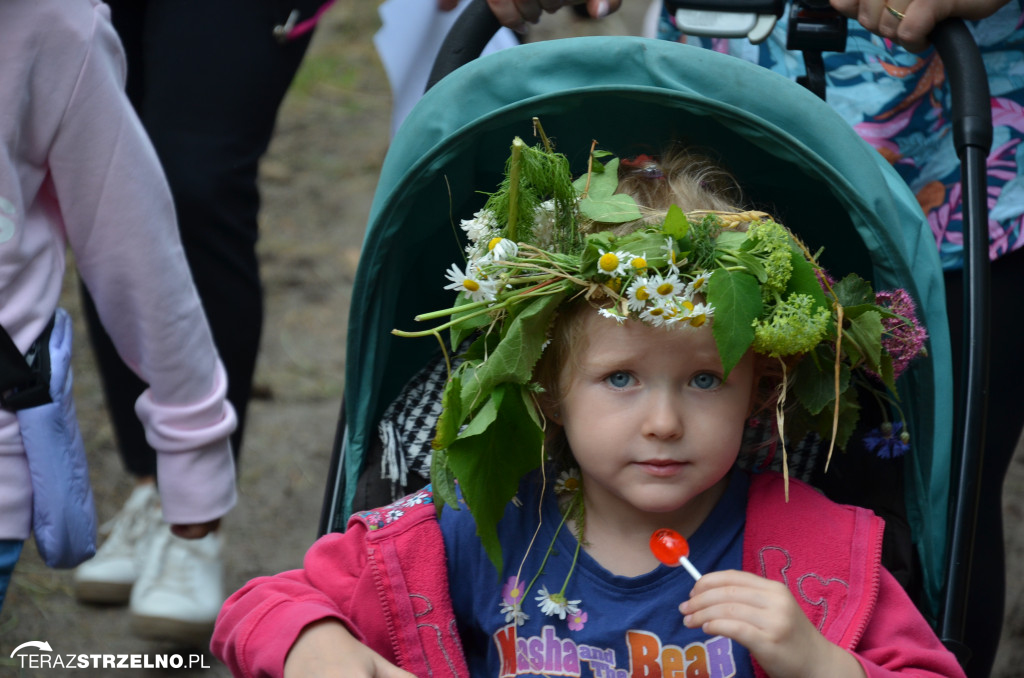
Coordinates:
(605, 396)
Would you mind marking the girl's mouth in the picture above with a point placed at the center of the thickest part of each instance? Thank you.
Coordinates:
(660, 468)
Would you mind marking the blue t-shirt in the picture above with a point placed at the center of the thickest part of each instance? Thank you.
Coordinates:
(622, 626)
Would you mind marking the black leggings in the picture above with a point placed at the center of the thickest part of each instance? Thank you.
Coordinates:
(987, 590)
(207, 78)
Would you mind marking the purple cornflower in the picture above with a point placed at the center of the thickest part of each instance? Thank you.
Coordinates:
(888, 441)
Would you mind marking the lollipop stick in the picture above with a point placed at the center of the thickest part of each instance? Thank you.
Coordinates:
(694, 572)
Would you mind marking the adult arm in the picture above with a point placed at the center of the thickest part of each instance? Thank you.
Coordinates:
(515, 14)
(119, 220)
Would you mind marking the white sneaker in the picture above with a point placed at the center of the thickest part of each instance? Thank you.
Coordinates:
(180, 589)
(109, 575)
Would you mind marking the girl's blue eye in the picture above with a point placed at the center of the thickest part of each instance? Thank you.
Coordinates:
(619, 379)
(706, 381)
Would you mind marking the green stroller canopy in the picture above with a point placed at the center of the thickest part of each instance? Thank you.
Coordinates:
(792, 154)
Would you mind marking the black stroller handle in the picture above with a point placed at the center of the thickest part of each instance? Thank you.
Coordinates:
(972, 137)
(972, 134)
(465, 40)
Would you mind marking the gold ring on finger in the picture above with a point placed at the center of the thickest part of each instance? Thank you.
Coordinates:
(895, 12)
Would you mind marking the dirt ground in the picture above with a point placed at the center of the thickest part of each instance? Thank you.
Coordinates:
(318, 180)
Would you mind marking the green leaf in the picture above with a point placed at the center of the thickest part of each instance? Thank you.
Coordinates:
(515, 355)
(753, 265)
(646, 242)
(604, 179)
(676, 224)
(600, 202)
(814, 385)
(849, 415)
(613, 209)
(442, 481)
(465, 328)
(799, 422)
(804, 280)
(853, 291)
(450, 421)
(489, 480)
(887, 374)
(736, 298)
(733, 240)
(863, 335)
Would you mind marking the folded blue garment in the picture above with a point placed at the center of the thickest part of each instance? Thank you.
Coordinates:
(63, 513)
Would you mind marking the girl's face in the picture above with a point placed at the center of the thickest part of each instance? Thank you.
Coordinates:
(649, 420)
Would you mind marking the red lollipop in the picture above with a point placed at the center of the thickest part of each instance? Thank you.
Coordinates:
(671, 548)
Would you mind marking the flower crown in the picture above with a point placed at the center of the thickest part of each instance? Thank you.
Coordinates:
(757, 283)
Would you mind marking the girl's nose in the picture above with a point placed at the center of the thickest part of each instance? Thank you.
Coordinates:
(663, 417)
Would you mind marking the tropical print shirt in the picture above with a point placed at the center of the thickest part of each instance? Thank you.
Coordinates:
(899, 102)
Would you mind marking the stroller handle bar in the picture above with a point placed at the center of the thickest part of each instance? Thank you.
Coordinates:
(972, 136)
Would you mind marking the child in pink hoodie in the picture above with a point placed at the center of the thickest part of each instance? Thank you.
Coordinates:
(623, 346)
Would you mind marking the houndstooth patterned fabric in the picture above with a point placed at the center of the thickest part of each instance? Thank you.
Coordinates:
(409, 423)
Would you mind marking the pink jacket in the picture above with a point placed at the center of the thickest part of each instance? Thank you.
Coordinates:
(386, 579)
(78, 171)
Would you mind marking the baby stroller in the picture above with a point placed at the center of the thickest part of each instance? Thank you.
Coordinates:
(788, 149)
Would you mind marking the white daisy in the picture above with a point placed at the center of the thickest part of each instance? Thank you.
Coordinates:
(673, 311)
(612, 313)
(471, 283)
(638, 263)
(666, 287)
(697, 285)
(638, 294)
(655, 314)
(700, 314)
(480, 227)
(502, 249)
(514, 613)
(568, 481)
(670, 253)
(613, 264)
(555, 603)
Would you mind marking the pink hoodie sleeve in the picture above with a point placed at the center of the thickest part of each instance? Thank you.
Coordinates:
(899, 642)
(259, 623)
(119, 219)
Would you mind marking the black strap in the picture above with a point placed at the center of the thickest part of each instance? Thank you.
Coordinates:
(25, 379)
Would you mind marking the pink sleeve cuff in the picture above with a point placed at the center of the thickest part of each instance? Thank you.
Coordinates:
(184, 427)
(195, 467)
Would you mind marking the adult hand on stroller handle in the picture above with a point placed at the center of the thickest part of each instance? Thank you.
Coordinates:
(919, 17)
(481, 20)
(517, 13)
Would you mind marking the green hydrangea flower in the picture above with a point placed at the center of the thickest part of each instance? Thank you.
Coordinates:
(772, 238)
(795, 326)
(779, 268)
